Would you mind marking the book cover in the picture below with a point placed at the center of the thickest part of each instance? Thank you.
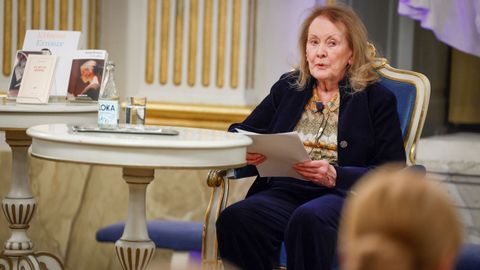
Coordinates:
(86, 74)
(64, 44)
(17, 74)
(37, 79)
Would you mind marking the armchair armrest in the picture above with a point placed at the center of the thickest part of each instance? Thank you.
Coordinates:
(243, 172)
(218, 181)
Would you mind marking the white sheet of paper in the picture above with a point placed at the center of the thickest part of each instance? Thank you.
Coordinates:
(282, 150)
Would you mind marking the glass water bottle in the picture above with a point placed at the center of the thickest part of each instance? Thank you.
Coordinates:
(108, 102)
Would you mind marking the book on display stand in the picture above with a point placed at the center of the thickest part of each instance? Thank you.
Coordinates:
(17, 72)
(86, 75)
(38, 79)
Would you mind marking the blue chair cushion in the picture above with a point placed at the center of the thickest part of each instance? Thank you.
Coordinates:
(469, 257)
(175, 235)
(406, 94)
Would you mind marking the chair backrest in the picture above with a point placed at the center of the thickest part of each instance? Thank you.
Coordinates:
(412, 90)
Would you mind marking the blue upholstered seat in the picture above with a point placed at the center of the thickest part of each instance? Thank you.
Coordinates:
(469, 257)
(175, 235)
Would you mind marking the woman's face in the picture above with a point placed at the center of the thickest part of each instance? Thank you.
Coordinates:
(327, 50)
(86, 72)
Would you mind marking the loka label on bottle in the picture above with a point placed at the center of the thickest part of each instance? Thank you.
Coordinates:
(108, 113)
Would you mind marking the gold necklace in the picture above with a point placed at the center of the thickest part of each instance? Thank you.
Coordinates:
(330, 105)
(312, 104)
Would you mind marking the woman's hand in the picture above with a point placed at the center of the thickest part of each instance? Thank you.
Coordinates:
(255, 158)
(319, 172)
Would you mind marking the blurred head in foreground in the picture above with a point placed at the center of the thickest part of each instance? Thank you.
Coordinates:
(399, 221)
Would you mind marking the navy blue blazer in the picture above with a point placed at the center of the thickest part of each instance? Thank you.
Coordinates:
(369, 131)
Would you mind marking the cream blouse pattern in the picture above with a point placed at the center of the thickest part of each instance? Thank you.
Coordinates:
(318, 131)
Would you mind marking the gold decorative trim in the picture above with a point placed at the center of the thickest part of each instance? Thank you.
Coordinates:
(250, 66)
(17, 137)
(98, 14)
(178, 47)
(380, 62)
(150, 55)
(215, 180)
(164, 41)
(330, 2)
(221, 34)
(207, 217)
(77, 15)
(63, 25)
(49, 14)
(223, 204)
(7, 37)
(19, 215)
(207, 42)
(36, 14)
(130, 255)
(192, 45)
(384, 64)
(237, 9)
(195, 115)
(91, 24)
(121, 256)
(138, 173)
(21, 22)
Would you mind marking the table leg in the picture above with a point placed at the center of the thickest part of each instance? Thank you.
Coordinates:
(135, 249)
(19, 207)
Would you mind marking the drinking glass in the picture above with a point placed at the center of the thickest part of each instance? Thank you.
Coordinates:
(135, 111)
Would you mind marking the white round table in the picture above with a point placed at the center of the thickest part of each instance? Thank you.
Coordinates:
(139, 155)
(19, 205)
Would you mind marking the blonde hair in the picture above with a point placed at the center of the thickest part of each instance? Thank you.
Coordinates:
(361, 72)
(398, 221)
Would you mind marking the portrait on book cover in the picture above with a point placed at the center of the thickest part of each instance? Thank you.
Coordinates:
(17, 73)
(86, 78)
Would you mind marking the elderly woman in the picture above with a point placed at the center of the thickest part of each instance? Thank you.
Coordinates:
(348, 124)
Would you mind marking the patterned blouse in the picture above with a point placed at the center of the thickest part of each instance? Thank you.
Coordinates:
(318, 131)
